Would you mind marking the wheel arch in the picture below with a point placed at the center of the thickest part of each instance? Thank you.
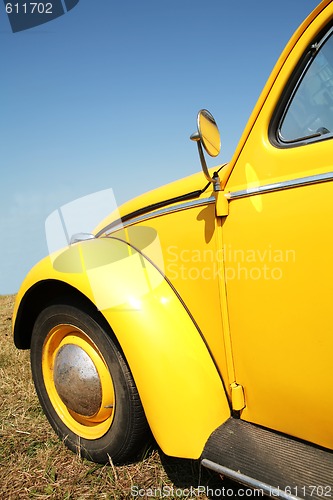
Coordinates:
(179, 385)
(41, 295)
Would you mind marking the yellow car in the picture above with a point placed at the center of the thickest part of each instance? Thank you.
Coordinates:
(202, 311)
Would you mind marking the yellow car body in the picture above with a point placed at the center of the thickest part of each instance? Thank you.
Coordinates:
(221, 298)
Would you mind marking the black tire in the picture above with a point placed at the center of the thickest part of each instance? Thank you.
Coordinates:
(118, 430)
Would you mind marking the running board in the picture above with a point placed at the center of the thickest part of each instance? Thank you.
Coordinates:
(280, 466)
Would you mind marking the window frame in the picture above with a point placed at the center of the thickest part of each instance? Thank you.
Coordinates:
(291, 88)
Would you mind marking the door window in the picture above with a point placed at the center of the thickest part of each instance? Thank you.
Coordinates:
(309, 113)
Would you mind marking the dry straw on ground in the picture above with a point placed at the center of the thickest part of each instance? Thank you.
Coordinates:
(34, 464)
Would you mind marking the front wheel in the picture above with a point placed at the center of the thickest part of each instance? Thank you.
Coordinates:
(85, 386)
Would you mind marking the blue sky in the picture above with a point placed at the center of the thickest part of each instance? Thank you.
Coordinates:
(106, 96)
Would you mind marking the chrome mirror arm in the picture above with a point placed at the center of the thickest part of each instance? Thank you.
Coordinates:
(215, 179)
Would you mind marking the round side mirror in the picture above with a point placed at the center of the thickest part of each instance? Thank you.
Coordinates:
(209, 133)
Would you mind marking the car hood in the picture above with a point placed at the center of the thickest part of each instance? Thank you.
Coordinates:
(193, 186)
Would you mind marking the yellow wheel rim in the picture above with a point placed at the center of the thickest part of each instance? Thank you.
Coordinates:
(78, 381)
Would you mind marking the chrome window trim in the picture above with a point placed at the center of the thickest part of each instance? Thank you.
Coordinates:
(291, 89)
(163, 211)
(277, 186)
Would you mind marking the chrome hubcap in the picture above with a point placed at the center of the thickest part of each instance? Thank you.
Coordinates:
(77, 381)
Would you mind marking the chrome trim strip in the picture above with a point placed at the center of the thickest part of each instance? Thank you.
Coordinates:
(162, 211)
(276, 492)
(268, 188)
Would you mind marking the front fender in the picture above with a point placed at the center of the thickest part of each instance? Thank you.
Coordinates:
(180, 388)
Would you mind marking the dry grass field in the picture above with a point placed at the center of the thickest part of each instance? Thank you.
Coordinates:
(34, 463)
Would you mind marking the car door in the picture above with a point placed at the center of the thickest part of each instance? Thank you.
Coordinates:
(278, 248)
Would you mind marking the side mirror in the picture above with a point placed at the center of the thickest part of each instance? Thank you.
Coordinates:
(208, 136)
(209, 133)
